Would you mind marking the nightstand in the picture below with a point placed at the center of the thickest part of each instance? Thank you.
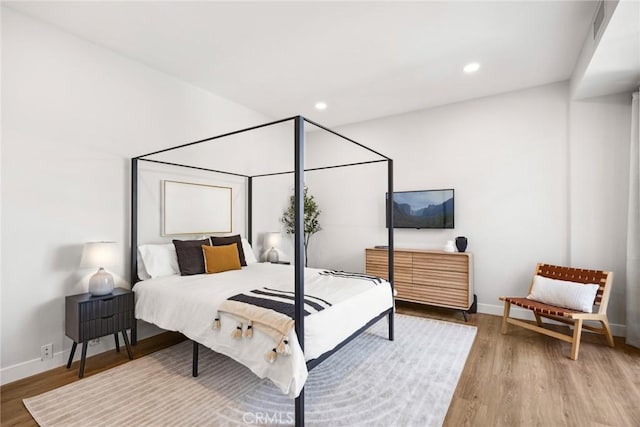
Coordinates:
(88, 317)
(281, 262)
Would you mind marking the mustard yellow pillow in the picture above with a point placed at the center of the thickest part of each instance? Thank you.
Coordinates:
(221, 258)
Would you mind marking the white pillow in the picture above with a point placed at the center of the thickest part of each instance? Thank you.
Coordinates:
(249, 255)
(576, 296)
(159, 260)
(142, 272)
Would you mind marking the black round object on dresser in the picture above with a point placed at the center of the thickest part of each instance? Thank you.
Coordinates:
(461, 243)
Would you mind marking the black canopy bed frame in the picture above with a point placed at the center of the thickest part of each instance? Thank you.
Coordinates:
(298, 263)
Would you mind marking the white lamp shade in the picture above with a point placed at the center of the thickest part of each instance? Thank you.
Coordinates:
(272, 240)
(99, 254)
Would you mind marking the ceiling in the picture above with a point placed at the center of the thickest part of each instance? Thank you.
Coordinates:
(364, 59)
(615, 64)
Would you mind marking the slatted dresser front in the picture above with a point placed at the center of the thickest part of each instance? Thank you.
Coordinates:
(438, 278)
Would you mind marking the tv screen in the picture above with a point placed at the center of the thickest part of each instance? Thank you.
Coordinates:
(422, 209)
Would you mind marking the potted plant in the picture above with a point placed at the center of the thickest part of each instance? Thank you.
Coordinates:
(311, 223)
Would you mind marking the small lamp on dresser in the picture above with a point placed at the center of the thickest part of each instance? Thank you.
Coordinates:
(271, 241)
(99, 255)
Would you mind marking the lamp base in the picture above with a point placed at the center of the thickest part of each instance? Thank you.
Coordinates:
(273, 255)
(101, 283)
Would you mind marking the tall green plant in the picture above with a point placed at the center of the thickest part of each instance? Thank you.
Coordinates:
(311, 222)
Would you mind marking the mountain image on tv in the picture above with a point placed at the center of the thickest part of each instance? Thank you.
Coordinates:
(423, 209)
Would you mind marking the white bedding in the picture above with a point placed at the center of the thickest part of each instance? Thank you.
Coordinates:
(188, 304)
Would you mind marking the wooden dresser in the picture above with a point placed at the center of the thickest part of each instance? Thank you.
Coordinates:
(429, 277)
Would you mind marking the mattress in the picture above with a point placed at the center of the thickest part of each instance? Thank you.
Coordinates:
(188, 304)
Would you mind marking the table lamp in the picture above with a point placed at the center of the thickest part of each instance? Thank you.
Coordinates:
(100, 255)
(271, 241)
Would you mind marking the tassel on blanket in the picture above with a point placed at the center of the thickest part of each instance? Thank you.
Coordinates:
(283, 347)
(216, 323)
(271, 355)
(248, 333)
(237, 332)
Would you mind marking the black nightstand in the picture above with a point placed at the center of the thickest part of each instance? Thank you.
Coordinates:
(88, 317)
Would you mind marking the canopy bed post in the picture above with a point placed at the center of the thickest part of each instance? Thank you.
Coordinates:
(250, 209)
(134, 239)
(390, 242)
(299, 251)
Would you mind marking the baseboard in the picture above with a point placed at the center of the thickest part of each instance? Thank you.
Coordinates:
(36, 366)
(32, 367)
(520, 313)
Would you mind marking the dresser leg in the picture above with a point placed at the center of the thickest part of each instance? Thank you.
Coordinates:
(126, 343)
(117, 342)
(73, 352)
(83, 359)
(474, 307)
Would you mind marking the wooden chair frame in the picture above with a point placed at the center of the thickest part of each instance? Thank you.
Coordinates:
(564, 315)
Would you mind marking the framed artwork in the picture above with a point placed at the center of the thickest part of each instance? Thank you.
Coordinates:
(190, 208)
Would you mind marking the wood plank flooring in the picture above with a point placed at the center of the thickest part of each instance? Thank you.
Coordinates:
(525, 378)
(518, 379)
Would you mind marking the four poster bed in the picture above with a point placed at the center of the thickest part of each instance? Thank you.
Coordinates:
(300, 318)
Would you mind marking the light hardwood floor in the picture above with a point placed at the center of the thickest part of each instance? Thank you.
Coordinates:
(525, 378)
(518, 379)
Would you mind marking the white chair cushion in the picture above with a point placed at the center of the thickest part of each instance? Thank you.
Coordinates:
(561, 293)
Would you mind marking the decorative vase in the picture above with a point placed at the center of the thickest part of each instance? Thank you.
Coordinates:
(461, 243)
(448, 247)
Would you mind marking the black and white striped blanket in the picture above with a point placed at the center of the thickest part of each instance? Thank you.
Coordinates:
(281, 301)
(272, 310)
(337, 273)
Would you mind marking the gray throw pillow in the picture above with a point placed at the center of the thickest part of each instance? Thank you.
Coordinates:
(229, 240)
(190, 257)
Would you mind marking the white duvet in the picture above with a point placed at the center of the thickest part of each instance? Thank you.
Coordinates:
(188, 304)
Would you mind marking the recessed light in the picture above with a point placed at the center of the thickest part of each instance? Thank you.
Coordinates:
(321, 105)
(471, 68)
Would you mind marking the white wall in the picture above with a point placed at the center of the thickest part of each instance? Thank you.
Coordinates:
(524, 166)
(271, 198)
(506, 158)
(73, 114)
(537, 178)
(600, 130)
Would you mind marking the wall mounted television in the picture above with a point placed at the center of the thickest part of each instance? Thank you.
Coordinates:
(423, 209)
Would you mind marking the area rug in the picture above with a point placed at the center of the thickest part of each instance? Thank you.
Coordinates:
(370, 382)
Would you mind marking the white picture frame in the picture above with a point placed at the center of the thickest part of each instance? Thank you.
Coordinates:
(191, 208)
